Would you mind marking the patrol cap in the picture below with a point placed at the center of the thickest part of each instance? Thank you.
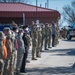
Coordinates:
(14, 28)
(1, 35)
(6, 29)
(46, 24)
(32, 22)
(21, 26)
(24, 27)
(20, 30)
(38, 26)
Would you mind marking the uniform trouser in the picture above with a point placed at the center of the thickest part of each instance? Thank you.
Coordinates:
(56, 40)
(15, 59)
(46, 42)
(19, 62)
(53, 39)
(42, 42)
(49, 41)
(1, 67)
(8, 67)
(23, 69)
(34, 46)
(11, 66)
(38, 53)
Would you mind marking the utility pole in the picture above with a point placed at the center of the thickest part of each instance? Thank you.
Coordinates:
(47, 3)
(36, 9)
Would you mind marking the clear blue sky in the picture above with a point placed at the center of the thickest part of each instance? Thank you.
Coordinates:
(53, 4)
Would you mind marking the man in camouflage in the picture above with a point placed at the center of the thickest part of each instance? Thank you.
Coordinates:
(43, 36)
(57, 35)
(46, 36)
(39, 36)
(34, 40)
(8, 63)
(1, 53)
(49, 35)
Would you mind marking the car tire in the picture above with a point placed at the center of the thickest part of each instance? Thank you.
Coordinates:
(68, 37)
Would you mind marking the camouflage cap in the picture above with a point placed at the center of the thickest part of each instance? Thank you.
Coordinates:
(46, 24)
(20, 30)
(6, 29)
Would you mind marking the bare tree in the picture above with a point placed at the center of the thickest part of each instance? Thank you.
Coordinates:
(73, 3)
(69, 13)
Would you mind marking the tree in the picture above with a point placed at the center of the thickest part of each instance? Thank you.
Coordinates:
(24, 1)
(69, 13)
(73, 3)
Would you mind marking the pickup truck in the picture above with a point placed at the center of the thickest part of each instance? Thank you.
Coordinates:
(70, 32)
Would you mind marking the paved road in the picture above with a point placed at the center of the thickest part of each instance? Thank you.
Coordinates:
(58, 60)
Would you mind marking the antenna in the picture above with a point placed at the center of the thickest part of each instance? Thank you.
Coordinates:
(47, 3)
(40, 5)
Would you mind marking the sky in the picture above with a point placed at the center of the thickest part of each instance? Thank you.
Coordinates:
(53, 4)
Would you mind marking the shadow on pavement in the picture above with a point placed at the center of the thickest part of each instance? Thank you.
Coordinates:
(68, 52)
(50, 71)
(70, 40)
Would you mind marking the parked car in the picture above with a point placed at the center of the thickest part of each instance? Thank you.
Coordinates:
(70, 32)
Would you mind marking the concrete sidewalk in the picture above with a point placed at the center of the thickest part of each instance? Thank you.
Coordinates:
(59, 58)
(55, 55)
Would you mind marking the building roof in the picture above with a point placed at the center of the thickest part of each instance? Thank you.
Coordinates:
(17, 9)
(8, 6)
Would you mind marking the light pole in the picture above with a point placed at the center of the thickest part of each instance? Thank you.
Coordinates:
(36, 9)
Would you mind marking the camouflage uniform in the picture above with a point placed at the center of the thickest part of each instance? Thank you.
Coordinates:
(49, 36)
(1, 54)
(20, 52)
(14, 53)
(39, 36)
(43, 36)
(34, 40)
(57, 35)
(28, 40)
(8, 62)
(46, 36)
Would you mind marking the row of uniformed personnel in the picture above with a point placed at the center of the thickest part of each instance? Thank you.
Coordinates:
(17, 42)
(14, 45)
(42, 36)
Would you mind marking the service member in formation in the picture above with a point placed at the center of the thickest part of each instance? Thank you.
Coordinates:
(1, 53)
(43, 36)
(8, 63)
(39, 37)
(34, 40)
